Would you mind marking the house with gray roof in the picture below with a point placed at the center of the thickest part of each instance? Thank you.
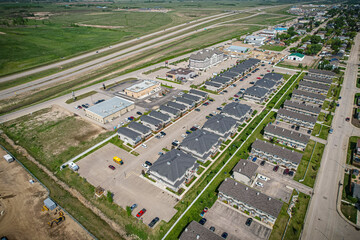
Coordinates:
(224, 81)
(196, 231)
(321, 73)
(138, 127)
(185, 101)
(221, 125)
(176, 105)
(153, 123)
(314, 87)
(239, 69)
(129, 136)
(213, 86)
(206, 58)
(273, 153)
(295, 118)
(229, 74)
(356, 191)
(245, 171)
(192, 97)
(201, 94)
(165, 118)
(302, 108)
(286, 137)
(267, 84)
(238, 111)
(250, 200)
(274, 77)
(308, 78)
(173, 112)
(256, 94)
(201, 144)
(308, 96)
(173, 169)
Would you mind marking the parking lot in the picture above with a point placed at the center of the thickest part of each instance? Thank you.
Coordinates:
(292, 127)
(273, 188)
(227, 219)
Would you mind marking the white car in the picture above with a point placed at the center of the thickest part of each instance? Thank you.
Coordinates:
(263, 178)
(259, 184)
(176, 141)
(145, 166)
(180, 93)
(144, 145)
(183, 135)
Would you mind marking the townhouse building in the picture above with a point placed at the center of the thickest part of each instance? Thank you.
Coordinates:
(326, 81)
(321, 73)
(153, 123)
(256, 94)
(129, 136)
(221, 125)
(310, 97)
(172, 112)
(296, 118)
(201, 94)
(245, 171)
(163, 117)
(302, 108)
(240, 112)
(138, 127)
(314, 87)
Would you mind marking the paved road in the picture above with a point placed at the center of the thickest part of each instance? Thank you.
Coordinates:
(323, 221)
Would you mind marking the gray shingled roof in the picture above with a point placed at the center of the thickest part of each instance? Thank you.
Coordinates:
(296, 115)
(308, 94)
(246, 168)
(205, 53)
(220, 79)
(323, 72)
(240, 69)
(256, 91)
(213, 84)
(265, 83)
(161, 116)
(229, 74)
(318, 80)
(129, 133)
(195, 229)
(273, 76)
(220, 123)
(314, 85)
(139, 127)
(356, 191)
(251, 197)
(309, 108)
(151, 120)
(238, 110)
(173, 164)
(191, 97)
(186, 101)
(170, 110)
(295, 136)
(178, 106)
(198, 93)
(200, 141)
(273, 149)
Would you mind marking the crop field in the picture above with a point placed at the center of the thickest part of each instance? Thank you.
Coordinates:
(264, 19)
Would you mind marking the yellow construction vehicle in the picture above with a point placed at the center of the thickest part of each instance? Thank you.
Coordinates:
(44, 209)
(57, 221)
(118, 160)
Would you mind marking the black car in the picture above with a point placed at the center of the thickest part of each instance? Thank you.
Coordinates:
(139, 113)
(174, 144)
(202, 221)
(224, 235)
(297, 128)
(225, 91)
(262, 163)
(153, 222)
(291, 173)
(293, 126)
(193, 129)
(212, 229)
(252, 82)
(197, 109)
(162, 133)
(309, 131)
(248, 222)
(148, 163)
(211, 100)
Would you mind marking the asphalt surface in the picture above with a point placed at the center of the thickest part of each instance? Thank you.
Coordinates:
(323, 219)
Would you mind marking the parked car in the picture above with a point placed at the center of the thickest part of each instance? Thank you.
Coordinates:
(293, 126)
(347, 119)
(258, 77)
(153, 222)
(212, 228)
(252, 82)
(187, 132)
(206, 103)
(84, 106)
(268, 70)
(254, 159)
(161, 153)
(197, 109)
(225, 91)
(291, 173)
(133, 206)
(79, 107)
(297, 128)
(163, 133)
(263, 178)
(202, 221)
(211, 115)
(111, 167)
(262, 163)
(309, 131)
(139, 214)
(144, 145)
(144, 165)
(139, 113)
(248, 222)
(224, 235)
(148, 163)
(259, 184)
(211, 100)
(193, 128)
(276, 168)
(236, 95)
(219, 108)
(286, 171)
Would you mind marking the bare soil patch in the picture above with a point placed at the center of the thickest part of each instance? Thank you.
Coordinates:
(20, 207)
(99, 26)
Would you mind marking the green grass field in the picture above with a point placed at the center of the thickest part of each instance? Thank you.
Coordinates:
(321, 131)
(351, 147)
(273, 47)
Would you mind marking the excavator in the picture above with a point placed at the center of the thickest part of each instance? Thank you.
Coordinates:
(58, 220)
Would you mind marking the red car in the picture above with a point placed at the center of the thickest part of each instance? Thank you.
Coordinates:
(258, 77)
(275, 168)
(111, 167)
(268, 70)
(141, 213)
(236, 95)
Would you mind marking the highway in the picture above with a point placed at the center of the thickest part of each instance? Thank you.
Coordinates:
(323, 220)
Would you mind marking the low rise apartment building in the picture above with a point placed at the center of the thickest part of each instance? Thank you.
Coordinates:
(295, 118)
(325, 81)
(206, 58)
(286, 137)
(302, 108)
(250, 200)
(153, 123)
(314, 87)
(238, 111)
(256, 94)
(273, 153)
(310, 97)
(321, 73)
(245, 171)
(165, 118)
(138, 127)
(201, 94)
(172, 112)
(129, 136)
(221, 125)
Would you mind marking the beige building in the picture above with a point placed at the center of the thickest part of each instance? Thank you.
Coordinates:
(143, 89)
(108, 110)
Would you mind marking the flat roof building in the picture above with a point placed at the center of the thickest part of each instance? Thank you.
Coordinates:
(180, 74)
(237, 49)
(143, 89)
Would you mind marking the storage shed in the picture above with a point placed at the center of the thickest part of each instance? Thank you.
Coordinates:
(8, 158)
(50, 204)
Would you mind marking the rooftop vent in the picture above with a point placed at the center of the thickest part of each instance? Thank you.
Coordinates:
(178, 154)
(269, 198)
(197, 236)
(168, 163)
(235, 183)
(257, 193)
(246, 188)
(196, 139)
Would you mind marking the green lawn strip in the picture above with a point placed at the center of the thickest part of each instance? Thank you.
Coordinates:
(85, 216)
(349, 211)
(300, 172)
(280, 224)
(281, 64)
(326, 118)
(347, 190)
(82, 96)
(117, 142)
(166, 86)
(314, 165)
(200, 170)
(297, 220)
(273, 47)
(167, 80)
(323, 133)
(351, 148)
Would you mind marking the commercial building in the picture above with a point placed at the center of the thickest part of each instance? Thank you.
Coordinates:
(238, 111)
(286, 137)
(321, 73)
(129, 136)
(206, 58)
(250, 200)
(138, 127)
(201, 144)
(108, 110)
(296, 118)
(256, 94)
(153, 123)
(267, 33)
(302, 108)
(174, 169)
(143, 89)
(314, 87)
(196, 231)
(165, 118)
(244, 171)
(308, 97)
(221, 125)
(273, 153)
(317, 80)
(296, 57)
(237, 49)
(180, 74)
(255, 40)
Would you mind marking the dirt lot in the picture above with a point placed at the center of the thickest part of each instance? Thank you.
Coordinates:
(307, 61)
(20, 208)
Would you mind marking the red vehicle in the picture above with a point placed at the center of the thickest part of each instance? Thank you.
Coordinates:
(236, 95)
(268, 70)
(258, 77)
(205, 209)
(141, 213)
(132, 118)
(111, 167)
(286, 172)
(275, 168)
